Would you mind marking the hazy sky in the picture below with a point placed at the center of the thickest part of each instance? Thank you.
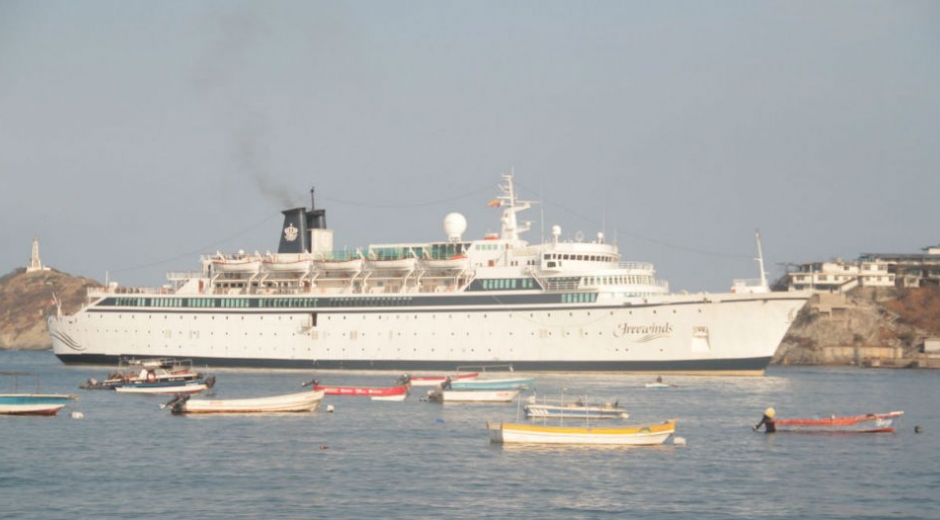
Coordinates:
(135, 136)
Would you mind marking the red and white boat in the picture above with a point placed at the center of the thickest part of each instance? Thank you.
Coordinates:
(437, 380)
(390, 393)
(868, 423)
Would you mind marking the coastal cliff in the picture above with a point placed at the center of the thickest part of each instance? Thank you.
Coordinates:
(866, 326)
(27, 298)
(876, 327)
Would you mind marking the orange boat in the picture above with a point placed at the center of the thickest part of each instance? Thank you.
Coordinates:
(868, 423)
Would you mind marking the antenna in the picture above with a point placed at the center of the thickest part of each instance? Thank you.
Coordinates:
(760, 260)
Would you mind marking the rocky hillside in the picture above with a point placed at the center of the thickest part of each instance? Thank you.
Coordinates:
(25, 300)
(866, 323)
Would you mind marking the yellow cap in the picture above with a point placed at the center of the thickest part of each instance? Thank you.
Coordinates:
(770, 412)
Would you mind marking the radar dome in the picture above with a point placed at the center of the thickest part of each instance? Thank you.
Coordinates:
(454, 225)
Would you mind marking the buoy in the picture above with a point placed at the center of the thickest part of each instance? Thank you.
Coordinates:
(678, 441)
(918, 429)
(329, 408)
(77, 415)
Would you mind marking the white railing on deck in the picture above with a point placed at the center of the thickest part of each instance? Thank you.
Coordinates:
(183, 275)
(750, 285)
(639, 266)
(98, 292)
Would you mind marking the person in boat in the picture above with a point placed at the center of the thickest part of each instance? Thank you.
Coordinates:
(767, 421)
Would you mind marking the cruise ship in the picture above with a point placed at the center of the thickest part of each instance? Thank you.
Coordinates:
(562, 305)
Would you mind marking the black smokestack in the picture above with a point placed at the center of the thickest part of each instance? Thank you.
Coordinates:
(294, 232)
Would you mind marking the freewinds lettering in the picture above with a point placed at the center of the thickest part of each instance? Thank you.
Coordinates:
(643, 333)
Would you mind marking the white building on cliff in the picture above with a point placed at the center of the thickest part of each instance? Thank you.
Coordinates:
(34, 263)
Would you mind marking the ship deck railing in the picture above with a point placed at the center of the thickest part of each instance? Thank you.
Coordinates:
(182, 275)
(637, 266)
(100, 292)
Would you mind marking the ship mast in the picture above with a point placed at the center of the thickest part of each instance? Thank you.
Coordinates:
(510, 224)
(760, 261)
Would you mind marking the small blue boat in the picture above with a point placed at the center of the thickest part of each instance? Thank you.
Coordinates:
(518, 383)
(579, 408)
(16, 403)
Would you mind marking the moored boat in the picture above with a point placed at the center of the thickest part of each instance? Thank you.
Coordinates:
(439, 379)
(867, 423)
(659, 383)
(442, 395)
(639, 435)
(17, 403)
(193, 386)
(306, 401)
(579, 408)
(389, 393)
(515, 383)
(133, 371)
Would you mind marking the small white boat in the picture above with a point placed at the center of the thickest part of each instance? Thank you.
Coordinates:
(280, 264)
(398, 264)
(437, 380)
(131, 371)
(395, 398)
(516, 383)
(659, 383)
(306, 401)
(639, 435)
(34, 404)
(472, 396)
(16, 403)
(346, 265)
(536, 408)
(183, 387)
(453, 263)
(237, 264)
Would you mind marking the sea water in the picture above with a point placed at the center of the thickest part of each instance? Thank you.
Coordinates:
(128, 458)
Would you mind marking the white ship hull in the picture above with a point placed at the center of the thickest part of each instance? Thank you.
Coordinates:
(713, 333)
(557, 306)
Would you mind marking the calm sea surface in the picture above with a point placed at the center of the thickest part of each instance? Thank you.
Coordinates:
(127, 458)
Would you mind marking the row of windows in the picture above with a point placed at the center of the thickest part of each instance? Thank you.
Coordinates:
(579, 298)
(507, 284)
(588, 258)
(304, 303)
(618, 280)
(313, 317)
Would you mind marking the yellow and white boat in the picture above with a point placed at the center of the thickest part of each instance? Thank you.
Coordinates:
(638, 435)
